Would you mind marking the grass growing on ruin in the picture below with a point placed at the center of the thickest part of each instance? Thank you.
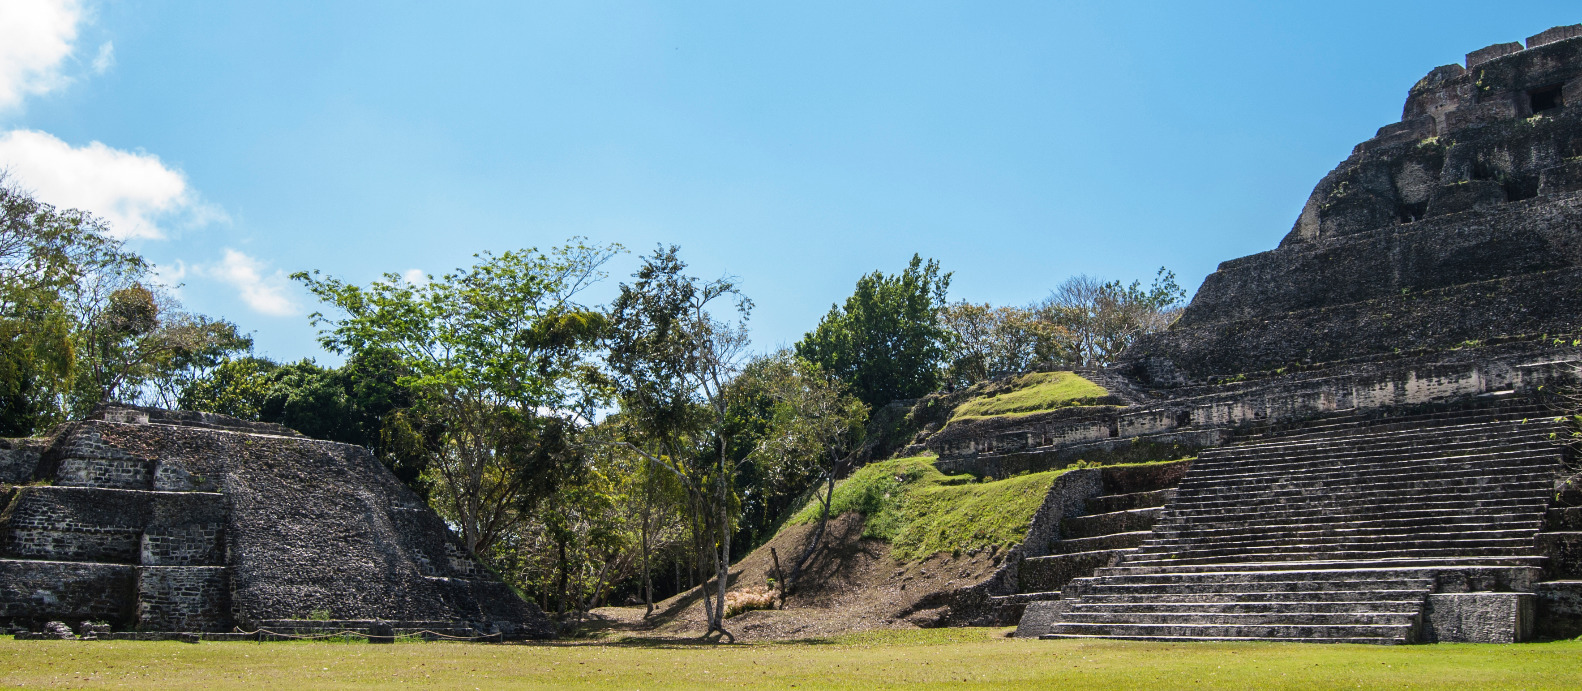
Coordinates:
(922, 511)
(1032, 393)
(957, 658)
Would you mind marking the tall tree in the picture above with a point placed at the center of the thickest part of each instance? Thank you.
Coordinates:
(80, 321)
(814, 427)
(672, 357)
(1101, 318)
(499, 363)
(887, 341)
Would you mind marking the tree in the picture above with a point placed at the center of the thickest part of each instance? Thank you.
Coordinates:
(499, 364)
(814, 427)
(80, 322)
(671, 359)
(887, 342)
(986, 341)
(1103, 318)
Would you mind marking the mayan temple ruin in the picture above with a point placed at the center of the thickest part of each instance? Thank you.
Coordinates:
(1379, 456)
(151, 521)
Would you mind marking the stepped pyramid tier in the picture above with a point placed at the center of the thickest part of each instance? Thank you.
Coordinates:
(1462, 223)
(154, 521)
(1418, 528)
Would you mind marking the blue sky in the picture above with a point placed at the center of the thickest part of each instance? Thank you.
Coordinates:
(794, 145)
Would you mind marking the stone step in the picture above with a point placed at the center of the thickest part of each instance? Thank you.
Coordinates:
(1339, 497)
(1445, 486)
(1024, 598)
(1053, 572)
(1533, 460)
(1227, 457)
(1319, 554)
(1315, 598)
(1351, 419)
(1136, 500)
(1408, 606)
(1528, 508)
(1335, 569)
(1396, 427)
(1109, 523)
(1157, 543)
(1224, 639)
(1129, 587)
(1404, 617)
(1310, 461)
(1112, 541)
(1390, 632)
(1525, 520)
(1235, 453)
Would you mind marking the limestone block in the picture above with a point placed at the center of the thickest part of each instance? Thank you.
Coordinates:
(18, 462)
(1466, 196)
(1567, 518)
(1498, 50)
(116, 473)
(183, 598)
(1559, 609)
(1556, 34)
(1051, 573)
(1038, 617)
(37, 590)
(1479, 617)
(1566, 177)
(1480, 114)
(1564, 550)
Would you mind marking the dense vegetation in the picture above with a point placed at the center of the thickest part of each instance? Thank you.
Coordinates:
(587, 453)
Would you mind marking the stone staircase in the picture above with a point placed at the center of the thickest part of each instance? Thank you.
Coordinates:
(1346, 530)
(1111, 524)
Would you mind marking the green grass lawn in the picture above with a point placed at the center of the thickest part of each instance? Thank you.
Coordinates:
(1031, 393)
(960, 658)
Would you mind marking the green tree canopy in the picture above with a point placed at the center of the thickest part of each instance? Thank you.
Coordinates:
(887, 342)
(498, 360)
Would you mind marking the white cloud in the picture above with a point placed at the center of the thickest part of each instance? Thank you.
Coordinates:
(105, 59)
(263, 293)
(35, 37)
(134, 192)
(415, 277)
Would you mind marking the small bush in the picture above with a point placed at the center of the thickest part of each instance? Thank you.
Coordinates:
(750, 598)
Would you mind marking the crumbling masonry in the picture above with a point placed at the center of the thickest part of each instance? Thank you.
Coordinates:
(153, 521)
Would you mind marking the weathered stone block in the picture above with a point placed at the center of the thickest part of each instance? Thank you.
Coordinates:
(1479, 618)
(1498, 50)
(1038, 617)
(1051, 573)
(1559, 33)
(1559, 609)
(1566, 177)
(1466, 196)
(42, 590)
(1564, 550)
(183, 598)
(122, 473)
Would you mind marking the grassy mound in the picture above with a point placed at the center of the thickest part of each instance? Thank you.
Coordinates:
(1031, 393)
(921, 511)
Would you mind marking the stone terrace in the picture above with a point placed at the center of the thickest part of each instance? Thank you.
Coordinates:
(1412, 529)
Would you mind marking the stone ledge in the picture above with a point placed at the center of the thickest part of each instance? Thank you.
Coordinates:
(1478, 618)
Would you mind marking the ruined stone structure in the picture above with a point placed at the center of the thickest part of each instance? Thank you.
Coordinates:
(1377, 455)
(150, 520)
